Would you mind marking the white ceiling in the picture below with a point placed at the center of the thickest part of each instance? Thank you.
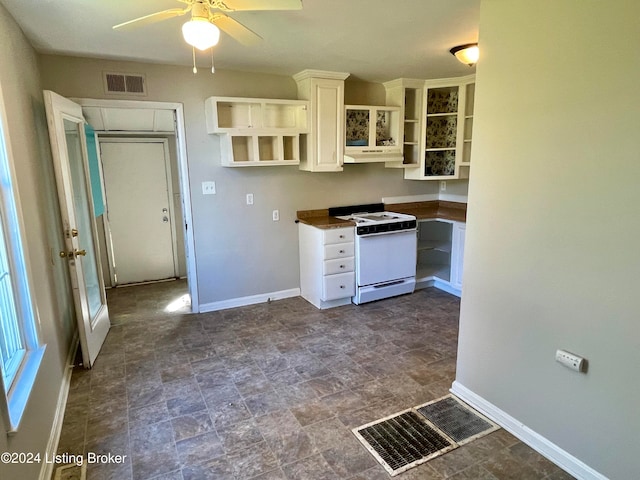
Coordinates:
(374, 40)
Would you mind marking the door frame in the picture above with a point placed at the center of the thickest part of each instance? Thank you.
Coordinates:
(183, 172)
(167, 170)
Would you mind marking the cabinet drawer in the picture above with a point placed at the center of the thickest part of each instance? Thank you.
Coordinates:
(338, 286)
(338, 235)
(339, 250)
(338, 265)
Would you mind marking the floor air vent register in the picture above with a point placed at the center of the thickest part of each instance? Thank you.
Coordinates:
(417, 435)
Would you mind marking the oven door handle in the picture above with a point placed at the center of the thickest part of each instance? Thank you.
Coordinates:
(377, 234)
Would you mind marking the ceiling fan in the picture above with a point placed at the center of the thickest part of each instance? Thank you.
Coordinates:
(208, 17)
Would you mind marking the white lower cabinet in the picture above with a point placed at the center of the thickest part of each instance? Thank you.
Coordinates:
(327, 277)
(440, 255)
(338, 265)
(457, 254)
(337, 286)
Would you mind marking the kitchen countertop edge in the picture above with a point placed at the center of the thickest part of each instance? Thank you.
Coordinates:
(455, 211)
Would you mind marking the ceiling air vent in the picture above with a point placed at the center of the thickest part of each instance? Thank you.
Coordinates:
(125, 83)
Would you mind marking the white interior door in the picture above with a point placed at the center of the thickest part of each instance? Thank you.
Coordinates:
(69, 149)
(139, 210)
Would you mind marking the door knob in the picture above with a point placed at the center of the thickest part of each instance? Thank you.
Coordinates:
(80, 253)
(165, 219)
(74, 232)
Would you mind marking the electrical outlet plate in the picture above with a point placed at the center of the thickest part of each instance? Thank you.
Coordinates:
(208, 188)
(249, 198)
(276, 215)
(569, 360)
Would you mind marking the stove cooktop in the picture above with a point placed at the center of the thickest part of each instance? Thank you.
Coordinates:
(376, 218)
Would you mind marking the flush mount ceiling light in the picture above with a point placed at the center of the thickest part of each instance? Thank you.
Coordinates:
(467, 54)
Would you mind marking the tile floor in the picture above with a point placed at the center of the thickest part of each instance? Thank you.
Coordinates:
(271, 391)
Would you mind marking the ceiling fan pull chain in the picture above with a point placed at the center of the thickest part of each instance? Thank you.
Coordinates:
(195, 70)
(213, 69)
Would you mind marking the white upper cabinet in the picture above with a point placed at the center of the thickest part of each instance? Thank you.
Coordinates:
(372, 134)
(407, 94)
(256, 131)
(446, 130)
(256, 115)
(322, 149)
(438, 126)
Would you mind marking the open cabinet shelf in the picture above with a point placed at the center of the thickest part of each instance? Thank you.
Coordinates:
(257, 132)
(236, 115)
(259, 150)
(408, 95)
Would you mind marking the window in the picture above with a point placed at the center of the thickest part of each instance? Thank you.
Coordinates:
(20, 351)
(11, 337)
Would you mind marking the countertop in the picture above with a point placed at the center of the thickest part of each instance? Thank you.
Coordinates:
(455, 211)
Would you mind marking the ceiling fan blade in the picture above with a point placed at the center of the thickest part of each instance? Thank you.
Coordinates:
(236, 30)
(154, 17)
(238, 5)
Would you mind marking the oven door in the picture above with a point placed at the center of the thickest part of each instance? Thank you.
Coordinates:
(385, 257)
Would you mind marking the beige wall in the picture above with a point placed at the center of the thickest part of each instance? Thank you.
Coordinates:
(28, 138)
(240, 251)
(551, 258)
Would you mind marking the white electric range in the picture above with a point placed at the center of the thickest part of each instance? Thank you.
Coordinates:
(385, 251)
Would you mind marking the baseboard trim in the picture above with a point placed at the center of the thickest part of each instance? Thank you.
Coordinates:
(544, 447)
(447, 287)
(439, 284)
(46, 472)
(250, 300)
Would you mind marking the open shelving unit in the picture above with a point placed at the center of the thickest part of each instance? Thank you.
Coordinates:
(408, 94)
(465, 161)
(259, 150)
(372, 134)
(434, 250)
(437, 126)
(257, 132)
(441, 131)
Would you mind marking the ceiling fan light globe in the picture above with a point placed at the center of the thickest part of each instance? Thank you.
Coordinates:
(201, 33)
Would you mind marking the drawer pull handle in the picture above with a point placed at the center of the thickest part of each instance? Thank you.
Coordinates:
(341, 286)
(341, 236)
(341, 266)
(341, 251)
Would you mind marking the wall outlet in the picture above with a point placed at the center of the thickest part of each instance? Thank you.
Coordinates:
(569, 360)
(443, 186)
(208, 188)
(249, 198)
(276, 215)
